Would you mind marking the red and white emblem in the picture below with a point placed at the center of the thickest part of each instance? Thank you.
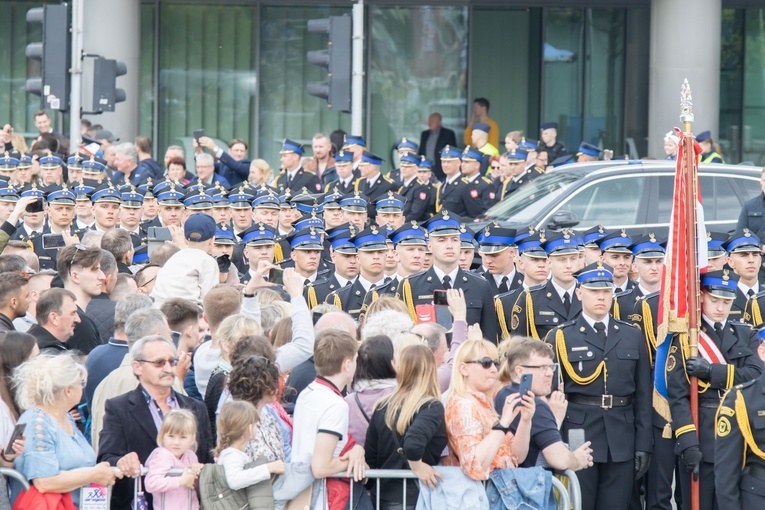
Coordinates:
(423, 195)
(474, 193)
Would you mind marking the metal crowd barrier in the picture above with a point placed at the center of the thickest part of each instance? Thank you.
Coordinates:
(12, 473)
(570, 498)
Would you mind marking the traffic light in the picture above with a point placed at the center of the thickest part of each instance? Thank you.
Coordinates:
(54, 53)
(336, 58)
(105, 91)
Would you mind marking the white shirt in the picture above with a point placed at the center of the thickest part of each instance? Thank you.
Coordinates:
(292, 173)
(471, 179)
(189, 274)
(510, 277)
(592, 321)
(318, 409)
(711, 323)
(372, 180)
(346, 182)
(342, 280)
(366, 283)
(407, 183)
(205, 360)
(560, 290)
(237, 477)
(440, 274)
(81, 225)
(453, 178)
(744, 288)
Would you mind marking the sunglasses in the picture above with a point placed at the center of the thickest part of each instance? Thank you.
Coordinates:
(160, 363)
(78, 247)
(485, 362)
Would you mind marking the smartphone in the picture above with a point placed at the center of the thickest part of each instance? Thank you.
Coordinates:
(198, 133)
(444, 316)
(176, 337)
(525, 385)
(52, 241)
(35, 207)
(575, 438)
(276, 276)
(18, 431)
(159, 234)
(439, 298)
(556, 380)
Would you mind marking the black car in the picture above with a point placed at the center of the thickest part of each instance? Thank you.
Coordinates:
(636, 196)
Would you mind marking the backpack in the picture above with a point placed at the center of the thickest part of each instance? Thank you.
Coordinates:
(217, 495)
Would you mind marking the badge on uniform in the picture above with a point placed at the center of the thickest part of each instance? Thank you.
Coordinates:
(474, 193)
(423, 195)
(492, 195)
(671, 363)
(318, 186)
(514, 321)
(723, 426)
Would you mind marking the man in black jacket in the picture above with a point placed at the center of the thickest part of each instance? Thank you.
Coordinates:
(56, 318)
(433, 139)
(752, 217)
(132, 420)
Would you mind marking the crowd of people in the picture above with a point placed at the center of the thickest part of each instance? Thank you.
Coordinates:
(230, 338)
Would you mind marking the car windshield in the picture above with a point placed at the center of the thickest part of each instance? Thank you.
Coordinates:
(524, 205)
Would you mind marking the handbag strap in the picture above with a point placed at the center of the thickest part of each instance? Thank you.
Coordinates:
(361, 408)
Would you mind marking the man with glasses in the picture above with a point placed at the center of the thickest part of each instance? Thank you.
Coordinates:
(132, 420)
(606, 374)
(529, 356)
(80, 269)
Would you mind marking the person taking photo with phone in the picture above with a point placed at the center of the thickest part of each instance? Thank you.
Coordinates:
(534, 360)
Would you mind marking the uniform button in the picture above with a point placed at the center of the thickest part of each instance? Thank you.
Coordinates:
(605, 359)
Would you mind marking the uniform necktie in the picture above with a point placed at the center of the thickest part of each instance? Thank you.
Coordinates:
(718, 329)
(307, 282)
(347, 283)
(289, 180)
(600, 329)
(567, 303)
(750, 292)
(387, 280)
(503, 285)
(447, 282)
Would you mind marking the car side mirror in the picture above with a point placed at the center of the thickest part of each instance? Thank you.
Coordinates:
(563, 219)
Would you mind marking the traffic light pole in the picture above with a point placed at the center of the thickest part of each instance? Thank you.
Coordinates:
(75, 100)
(357, 79)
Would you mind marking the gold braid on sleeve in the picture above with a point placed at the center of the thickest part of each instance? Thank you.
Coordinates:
(501, 317)
(650, 338)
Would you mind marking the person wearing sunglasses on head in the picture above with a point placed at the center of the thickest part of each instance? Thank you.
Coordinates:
(132, 420)
(606, 374)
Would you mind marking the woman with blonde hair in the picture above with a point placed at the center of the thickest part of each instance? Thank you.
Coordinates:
(56, 458)
(407, 428)
(478, 436)
(385, 303)
(260, 172)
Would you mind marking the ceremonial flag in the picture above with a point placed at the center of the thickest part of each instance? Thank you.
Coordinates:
(676, 286)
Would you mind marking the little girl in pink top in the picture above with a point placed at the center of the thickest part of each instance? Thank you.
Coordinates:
(177, 441)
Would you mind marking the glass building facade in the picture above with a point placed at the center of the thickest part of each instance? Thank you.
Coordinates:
(238, 69)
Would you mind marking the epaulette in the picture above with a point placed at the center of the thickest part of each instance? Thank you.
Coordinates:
(744, 385)
(652, 294)
(465, 180)
(505, 294)
(539, 169)
(486, 180)
(624, 323)
(389, 179)
(536, 287)
(623, 293)
(741, 324)
(420, 182)
(414, 275)
(567, 323)
(475, 275)
(309, 171)
(760, 294)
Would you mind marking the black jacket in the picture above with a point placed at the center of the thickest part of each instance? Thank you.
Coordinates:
(424, 439)
(6, 324)
(753, 216)
(86, 336)
(445, 137)
(616, 433)
(129, 427)
(47, 343)
(101, 311)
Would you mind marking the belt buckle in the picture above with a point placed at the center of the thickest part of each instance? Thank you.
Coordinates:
(606, 401)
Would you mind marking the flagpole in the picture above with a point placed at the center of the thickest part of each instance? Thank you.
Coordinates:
(691, 187)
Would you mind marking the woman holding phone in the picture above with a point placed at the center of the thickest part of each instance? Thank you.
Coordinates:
(478, 435)
(15, 348)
